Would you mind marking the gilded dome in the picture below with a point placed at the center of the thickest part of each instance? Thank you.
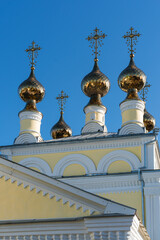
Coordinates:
(149, 121)
(95, 82)
(131, 78)
(61, 129)
(31, 89)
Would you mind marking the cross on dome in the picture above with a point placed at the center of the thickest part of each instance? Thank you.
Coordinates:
(144, 91)
(32, 54)
(131, 40)
(96, 41)
(62, 100)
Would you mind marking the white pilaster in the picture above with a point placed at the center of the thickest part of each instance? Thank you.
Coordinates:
(153, 215)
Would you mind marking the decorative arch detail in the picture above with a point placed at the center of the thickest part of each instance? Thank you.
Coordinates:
(81, 159)
(118, 155)
(131, 128)
(38, 163)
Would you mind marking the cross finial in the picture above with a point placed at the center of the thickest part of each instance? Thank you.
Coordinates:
(131, 40)
(144, 91)
(61, 101)
(32, 54)
(96, 41)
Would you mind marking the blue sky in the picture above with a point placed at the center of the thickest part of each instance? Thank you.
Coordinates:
(60, 28)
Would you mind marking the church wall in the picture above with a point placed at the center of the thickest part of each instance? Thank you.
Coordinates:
(131, 199)
(119, 166)
(95, 155)
(18, 202)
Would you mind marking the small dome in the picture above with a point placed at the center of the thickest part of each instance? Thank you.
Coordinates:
(149, 121)
(131, 78)
(31, 89)
(95, 82)
(61, 129)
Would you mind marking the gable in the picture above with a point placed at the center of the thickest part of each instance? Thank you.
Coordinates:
(26, 193)
(20, 202)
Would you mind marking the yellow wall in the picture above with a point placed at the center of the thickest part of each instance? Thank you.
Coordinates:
(131, 115)
(119, 166)
(131, 199)
(19, 203)
(95, 155)
(73, 170)
(30, 124)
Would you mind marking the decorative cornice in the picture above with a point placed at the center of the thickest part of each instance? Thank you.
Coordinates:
(117, 183)
(97, 228)
(83, 145)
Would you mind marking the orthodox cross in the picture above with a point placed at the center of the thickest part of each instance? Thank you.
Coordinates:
(32, 54)
(62, 100)
(131, 40)
(96, 41)
(144, 91)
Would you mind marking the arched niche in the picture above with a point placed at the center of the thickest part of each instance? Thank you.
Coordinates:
(78, 159)
(37, 163)
(74, 169)
(117, 156)
(119, 166)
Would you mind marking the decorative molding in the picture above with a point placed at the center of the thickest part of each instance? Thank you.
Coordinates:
(118, 155)
(132, 104)
(30, 115)
(81, 159)
(95, 108)
(37, 163)
(96, 228)
(25, 138)
(81, 143)
(51, 193)
(93, 126)
(131, 128)
(116, 183)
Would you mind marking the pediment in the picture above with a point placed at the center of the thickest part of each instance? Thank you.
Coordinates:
(41, 190)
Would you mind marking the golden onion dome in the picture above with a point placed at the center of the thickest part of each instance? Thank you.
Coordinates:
(149, 121)
(95, 82)
(61, 129)
(31, 89)
(131, 78)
